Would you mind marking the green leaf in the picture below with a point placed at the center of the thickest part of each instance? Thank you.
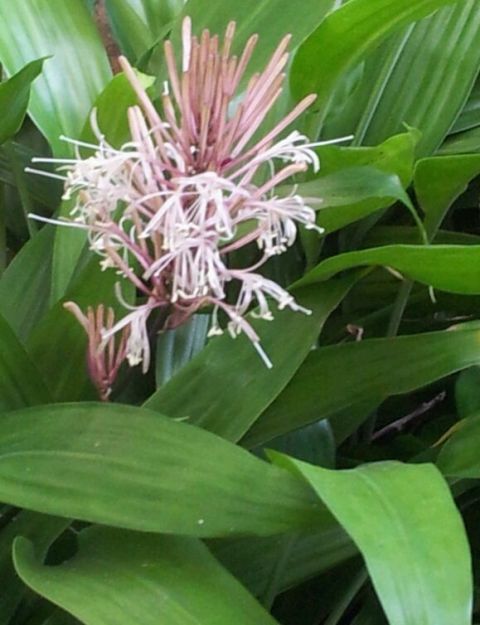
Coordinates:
(467, 392)
(42, 531)
(129, 24)
(255, 16)
(20, 382)
(439, 181)
(133, 468)
(227, 386)
(462, 143)
(459, 456)
(351, 194)
(435, 60)
(335, 380)
(175, 348)
(140, 578)
(25, 285)
(402, 517)
(470, 115)
(435, 265)
(345, 37)
(14, 97)
(71, 80)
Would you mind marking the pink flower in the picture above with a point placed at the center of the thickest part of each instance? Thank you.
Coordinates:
(168, 207)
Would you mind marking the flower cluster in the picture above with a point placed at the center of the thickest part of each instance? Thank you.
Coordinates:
(192, 185)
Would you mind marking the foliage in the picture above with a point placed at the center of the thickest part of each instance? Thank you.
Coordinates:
(338, 487)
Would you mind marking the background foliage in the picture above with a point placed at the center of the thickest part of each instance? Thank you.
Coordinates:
(338, 488)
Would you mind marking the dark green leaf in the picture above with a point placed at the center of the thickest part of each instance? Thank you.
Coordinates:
(459, 457)
(335, 380)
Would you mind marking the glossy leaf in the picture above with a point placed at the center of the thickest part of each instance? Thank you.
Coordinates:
(130, 577)
(71, 80)
(343, 39)
(125, 466)
(335, 380)
(435, 265)
(402, 517)
(14, 97)
(435, 84)
(227, 386)
(470, 115)
(462, 143)
(20, 382)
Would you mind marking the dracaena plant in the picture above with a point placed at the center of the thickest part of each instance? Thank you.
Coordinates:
(282, 330)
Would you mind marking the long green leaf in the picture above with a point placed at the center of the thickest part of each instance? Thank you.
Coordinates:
(462, 143)
(14, 97)
(345, 37)
(71, 80)
(133, 468)
(437, 66)
(138, 578)
(335, 380)
(404, 521)
(435, 265)
(227, 386)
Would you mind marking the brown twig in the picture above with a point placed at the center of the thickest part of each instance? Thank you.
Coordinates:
(103, 26)
(400, 424)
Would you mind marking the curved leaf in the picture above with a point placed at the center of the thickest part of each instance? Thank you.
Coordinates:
(133, 468)
(140, 578)
(435, 265)
(459, 457)
(404, 521)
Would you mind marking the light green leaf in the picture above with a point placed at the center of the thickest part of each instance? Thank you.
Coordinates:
(335, 380)
(402, 517)
(71, 80)
(20, 382)
(14, 97)
(435, 265)
(345, 37)
(136, 469)
(227, 386)
(435, 60)
(140, 578)
(470, 115)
